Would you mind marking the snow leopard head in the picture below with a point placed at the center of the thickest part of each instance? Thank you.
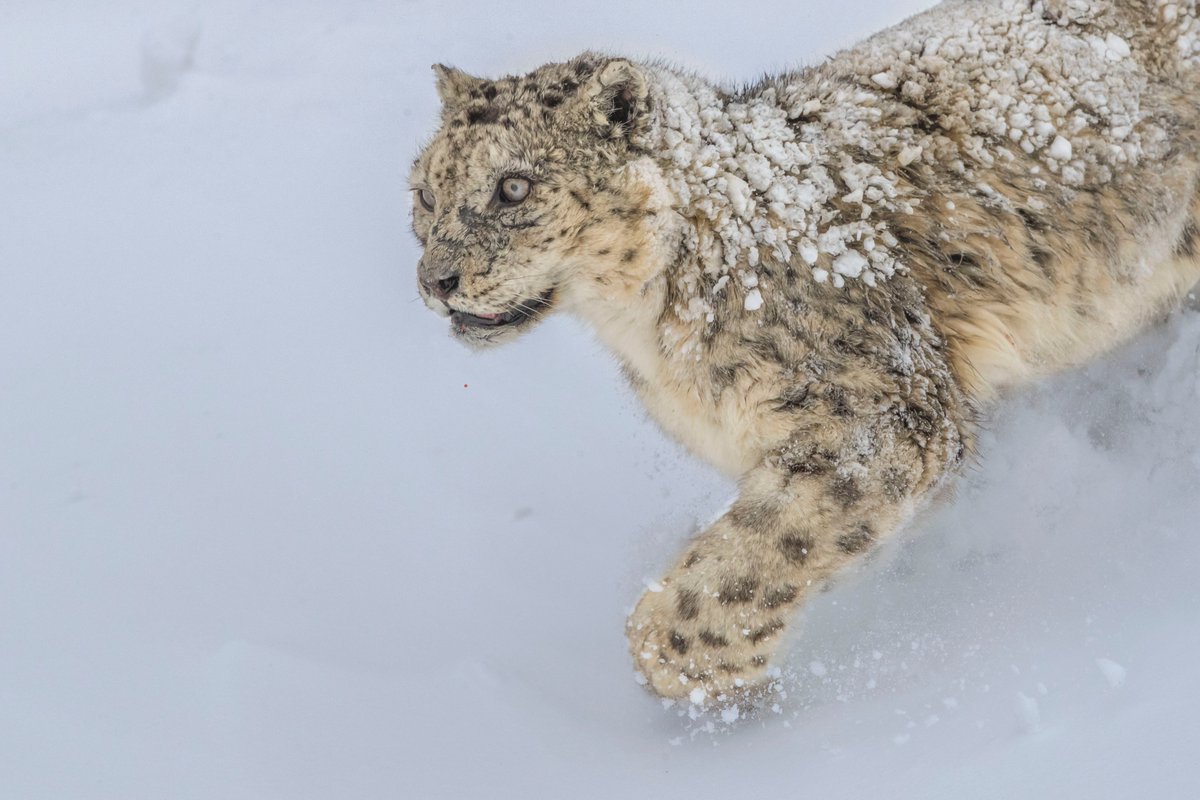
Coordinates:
(524, 201)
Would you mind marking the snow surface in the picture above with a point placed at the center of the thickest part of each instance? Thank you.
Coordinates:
(266, 532)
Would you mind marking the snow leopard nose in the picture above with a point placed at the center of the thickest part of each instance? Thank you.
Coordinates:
(441, 283)
(444, 287)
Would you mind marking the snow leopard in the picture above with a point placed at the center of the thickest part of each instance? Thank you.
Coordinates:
(820, 282)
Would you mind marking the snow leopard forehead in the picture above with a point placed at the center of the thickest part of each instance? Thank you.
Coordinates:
(556, 114)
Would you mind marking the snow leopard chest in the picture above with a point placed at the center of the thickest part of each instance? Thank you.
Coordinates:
(723, 426)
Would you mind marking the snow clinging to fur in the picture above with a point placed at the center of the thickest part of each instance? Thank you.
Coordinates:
(807, 168)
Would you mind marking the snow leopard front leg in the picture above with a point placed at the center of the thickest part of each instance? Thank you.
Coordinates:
(815, 503)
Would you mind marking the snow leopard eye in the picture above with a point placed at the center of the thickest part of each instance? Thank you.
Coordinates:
(513, 190)
(426, 198)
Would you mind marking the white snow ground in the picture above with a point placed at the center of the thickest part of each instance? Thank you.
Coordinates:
(266, 532)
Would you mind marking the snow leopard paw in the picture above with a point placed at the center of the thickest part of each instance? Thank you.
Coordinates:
(707, 645)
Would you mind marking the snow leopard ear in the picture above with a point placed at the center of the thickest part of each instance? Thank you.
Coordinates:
(619, 96)
(453, 85)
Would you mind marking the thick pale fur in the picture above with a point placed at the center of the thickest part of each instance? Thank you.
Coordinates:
(817, 282)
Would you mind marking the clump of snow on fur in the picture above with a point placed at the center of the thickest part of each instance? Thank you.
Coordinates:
(1060, 149)
(1057, 79)
(768, 184)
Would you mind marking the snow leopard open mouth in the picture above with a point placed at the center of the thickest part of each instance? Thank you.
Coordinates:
(524, 311)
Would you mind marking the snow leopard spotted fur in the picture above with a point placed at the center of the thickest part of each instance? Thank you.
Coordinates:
(817, 282)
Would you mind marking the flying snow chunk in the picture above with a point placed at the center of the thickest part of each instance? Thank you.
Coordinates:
(754, 300)
(697, 696)
(1061, 150)
(1114, 673)
(730, 715)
